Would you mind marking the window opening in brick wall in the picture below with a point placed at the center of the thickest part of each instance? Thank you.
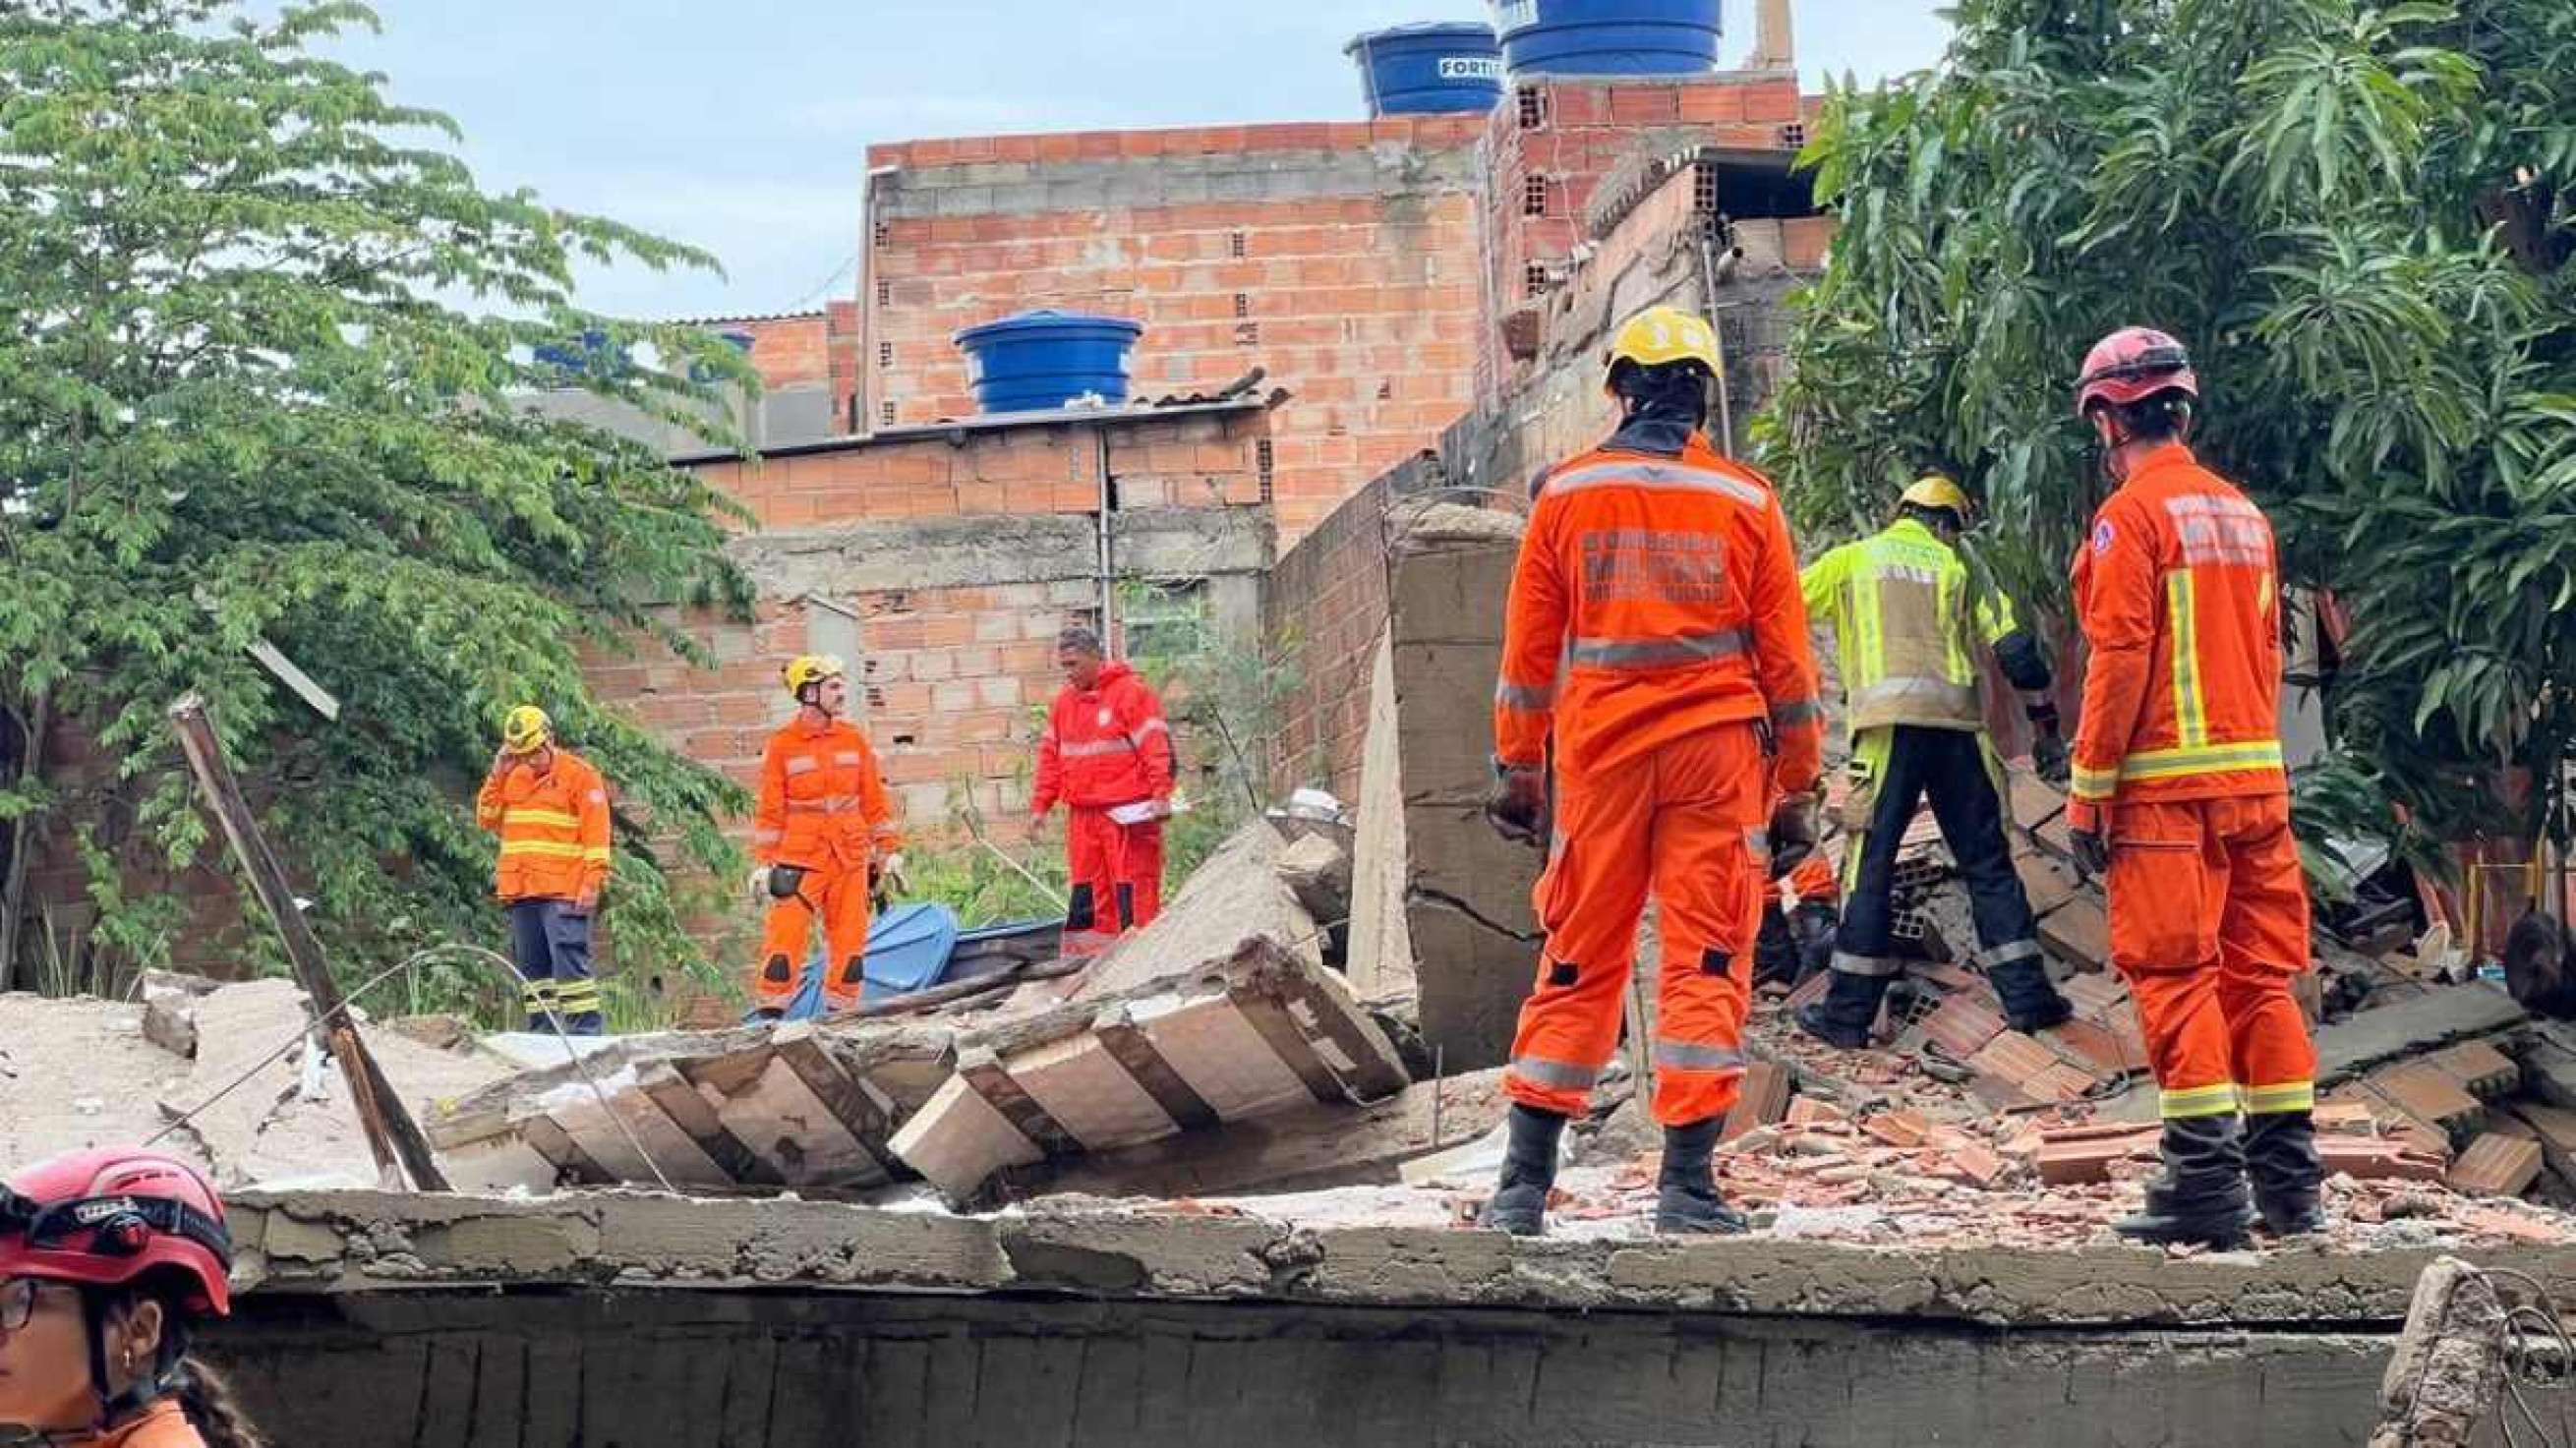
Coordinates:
(1533, 108)
(1386, 390)
(1165, 620)
(885, 354)
(1534, 278)
(1534, 196)
(885, 294)
(1793, 136)
(1242, 304)
(1704, 188)
(1237, 245)
(876, 697)
(883, 232)
(1741, 191)
(906, 740)
(1265, 461)
(1247, 334)
(885, 414)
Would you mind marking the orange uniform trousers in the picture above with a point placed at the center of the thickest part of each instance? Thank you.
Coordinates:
(1116, 875)
(837, 895)
(1684, 819)
(2209, 921)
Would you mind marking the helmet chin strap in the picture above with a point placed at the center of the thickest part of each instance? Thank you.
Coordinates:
(147, 1388)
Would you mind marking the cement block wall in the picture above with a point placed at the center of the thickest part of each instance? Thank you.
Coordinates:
(1341, 257)
(623, 1369)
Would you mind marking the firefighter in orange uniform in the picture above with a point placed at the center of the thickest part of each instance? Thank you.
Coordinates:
(550, 808)
(1656, 627)
(1107, 747)
(824, 834)
(2179, 796)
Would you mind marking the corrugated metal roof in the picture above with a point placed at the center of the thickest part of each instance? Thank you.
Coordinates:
(1005, 421)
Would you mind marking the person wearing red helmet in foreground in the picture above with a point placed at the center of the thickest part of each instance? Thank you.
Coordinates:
(2179, 797)
(107, 1259)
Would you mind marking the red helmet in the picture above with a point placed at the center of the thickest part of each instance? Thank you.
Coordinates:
(2133, 364)
(111, 1216)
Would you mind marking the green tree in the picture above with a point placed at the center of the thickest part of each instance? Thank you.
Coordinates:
(2358, 218)
(266, 352)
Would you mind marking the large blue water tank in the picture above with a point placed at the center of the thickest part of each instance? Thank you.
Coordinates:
(1608, 37)
(1039, 361)
(1419, 70)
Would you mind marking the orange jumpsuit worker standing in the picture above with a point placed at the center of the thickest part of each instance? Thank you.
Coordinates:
(1107, 747)
(2179, 794)
(823, 833)
(550, 808)
(1656, 627)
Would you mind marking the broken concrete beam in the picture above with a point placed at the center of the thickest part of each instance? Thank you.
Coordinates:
(1762, 1100)
(808, 1121)
(2448, 1370)
(2411, 1027)
(2496, 1165)
(1381, 965)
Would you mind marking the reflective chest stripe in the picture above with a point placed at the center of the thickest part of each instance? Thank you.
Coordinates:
(1657, 653)
(1642, 474)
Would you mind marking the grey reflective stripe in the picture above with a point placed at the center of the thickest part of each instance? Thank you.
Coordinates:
(1758, 841)
(2007, 954)
(1691, 1056)
(1094, 748)
(1658, 475)
(848, 758)
(1658, 653)
(1148, 730)
(1514, 696)
(1563, 1075)
(803, 764)
(1870, 965)
(1803, 711)
(1902, 689)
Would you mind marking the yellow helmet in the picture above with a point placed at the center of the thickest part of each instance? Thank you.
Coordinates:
(1661, 335)
(526, 730)
(807, 669)
(1935, 491)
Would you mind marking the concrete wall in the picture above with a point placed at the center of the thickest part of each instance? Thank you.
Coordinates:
(611, 1369)
(1343, 258)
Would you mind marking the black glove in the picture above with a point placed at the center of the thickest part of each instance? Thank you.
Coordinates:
(2048, 747)
(2092, 852)
(1793, 832)
(1515, 803)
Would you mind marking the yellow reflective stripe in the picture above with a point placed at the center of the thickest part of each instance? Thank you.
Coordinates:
(2094, 783)
(2280, 1097)
(2218, 1100)
(2251, 758)
(554, 850)
(2182, 611)
(523, 815)
(1866, 664)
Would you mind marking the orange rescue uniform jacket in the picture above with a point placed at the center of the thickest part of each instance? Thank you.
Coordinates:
(1655, 598)
(2178, 590)
(823, 801)
(553, 828)
(163, 1425)
(1106, 745)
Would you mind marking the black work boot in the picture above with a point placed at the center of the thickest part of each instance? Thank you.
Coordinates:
(1850, 1007)
(1519, 1202)
(2031, 1001)
(2288, 1176)
(1686, 1198)
(2201, 1197)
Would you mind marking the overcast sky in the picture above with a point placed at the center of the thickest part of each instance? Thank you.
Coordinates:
(742, 125)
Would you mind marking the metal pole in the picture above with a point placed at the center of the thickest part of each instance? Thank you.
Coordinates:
(1109, 643)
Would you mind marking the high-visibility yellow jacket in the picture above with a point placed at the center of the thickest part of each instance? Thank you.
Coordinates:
(1905, 629)
(553, 828)
(2179, 592)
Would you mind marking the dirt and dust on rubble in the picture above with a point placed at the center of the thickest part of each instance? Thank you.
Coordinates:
(1313, 1031)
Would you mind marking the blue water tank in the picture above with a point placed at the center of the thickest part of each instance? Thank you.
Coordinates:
(1040, 361)
(1608, 37)
(1445, 67)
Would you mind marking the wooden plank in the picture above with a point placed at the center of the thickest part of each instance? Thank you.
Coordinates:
(986, 1075)
(392, 1135)
(1278, 1030)
(1135, 1051)
(692, 1114)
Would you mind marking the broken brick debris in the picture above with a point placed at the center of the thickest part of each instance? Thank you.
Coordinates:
(2496, 1165)
(1762, 1100)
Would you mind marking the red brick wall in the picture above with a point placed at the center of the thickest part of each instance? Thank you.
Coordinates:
(1586, 130)
(1359, 295)
(806, 348)
(1325, 606)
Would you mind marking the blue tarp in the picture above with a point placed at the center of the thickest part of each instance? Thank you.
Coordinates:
(908, 948)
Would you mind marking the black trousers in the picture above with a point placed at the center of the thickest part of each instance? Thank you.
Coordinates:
(1949, 765)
